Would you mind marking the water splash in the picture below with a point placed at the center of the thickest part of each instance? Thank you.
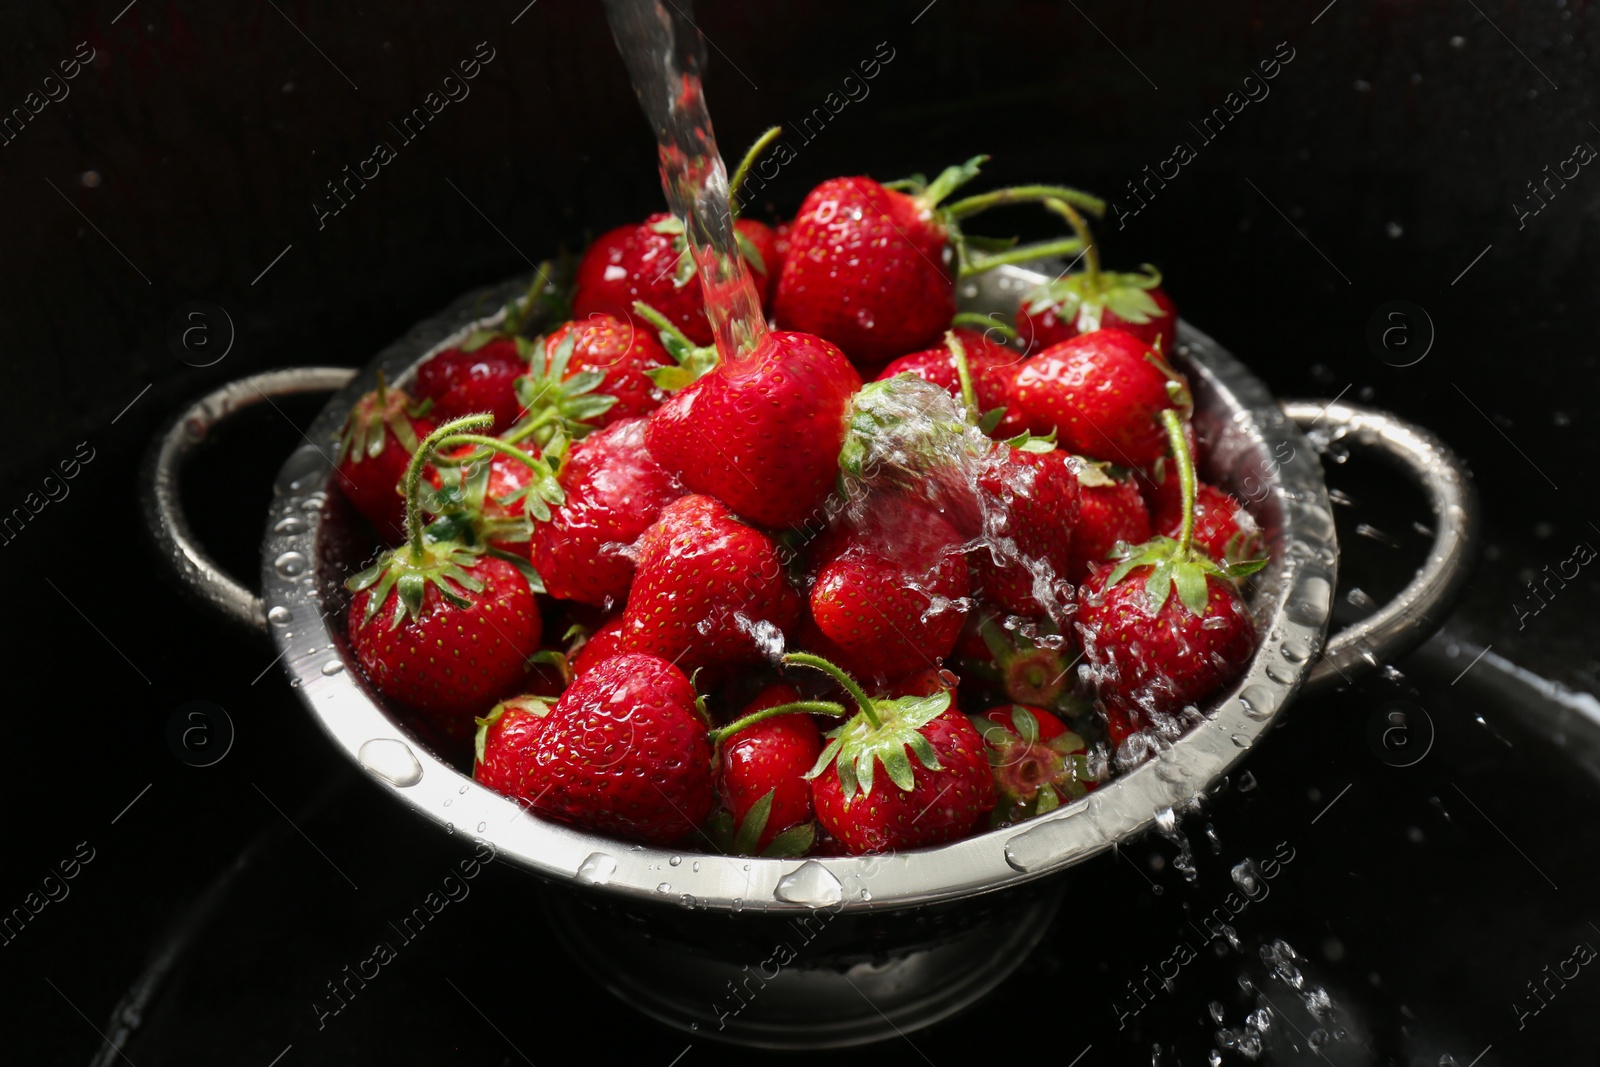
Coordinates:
(664, 53)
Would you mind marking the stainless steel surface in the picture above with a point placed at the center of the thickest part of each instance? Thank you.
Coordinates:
(163, 504)
(1252, 448)
(1421, 607)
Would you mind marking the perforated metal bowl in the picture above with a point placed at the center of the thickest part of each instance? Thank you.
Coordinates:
(1253, 447)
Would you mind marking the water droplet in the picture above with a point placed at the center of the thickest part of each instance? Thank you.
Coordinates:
(1240, 741)
(392, 760)
(1258, 701)
(482, 826)
(290, 525)
(664, 887)
(810, 883)
(597, 869)
(279, 615)
(290, 564)
(1247, 782)
(1215, 1008)
(1295, 651)
(1279, 675)
(1247, 876)
(687, 900)
(331, 668)
(1312, 601)
(675, 860)
(737, 905)
(866, 894)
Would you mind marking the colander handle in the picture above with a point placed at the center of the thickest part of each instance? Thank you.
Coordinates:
(163, 505)
(1420, 608)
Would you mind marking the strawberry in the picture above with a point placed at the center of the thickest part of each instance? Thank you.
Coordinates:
(1102, 393)
(376, 444)
(1150, 650)
(1036, 670)
(612, 490)
(651, 261)
(1038, 763)
(1029, 535)
(622, 350)
(1110, 510)
(598, 646)
(461, 381)
(939, 785)
(709, 590)
(762, 432)
(480, 500)
(873, 269)
(505, 744)
(559, 393)
(1092, 299)
(438, 626)
(992, 365)
(780, 249)
(1158, 483)
(894, 591)
(765, 754)
(1221, 525)
(624, 752)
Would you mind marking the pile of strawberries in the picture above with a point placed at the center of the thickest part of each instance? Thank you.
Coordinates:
(744, 602)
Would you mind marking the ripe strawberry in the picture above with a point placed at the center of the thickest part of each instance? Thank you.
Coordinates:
(761, 776)
(505, 744)
(709, 590)
(1038, 763)
(1221, 525)
(873, 269)
(379, 436)
(624, 752)
(893, 592)
(1109, 510)
(1030, 532)
(761, 433)
(598, 646)
(1152, 651)
(1158, 483)
(651, 261)
(461, 381)
(1027, 671)
(993, 368)
(623, 351)
(939, 798)
(438, 626)
(1102, 393)
(480, 500)
(1092, 299)
(613, 490)
(780, 249)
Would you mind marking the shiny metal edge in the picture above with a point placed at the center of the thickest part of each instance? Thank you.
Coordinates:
(1248, 433)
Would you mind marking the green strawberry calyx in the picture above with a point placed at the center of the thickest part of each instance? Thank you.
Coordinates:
(690, 362)
(741, 840)
(1177, 564)
(684, 272)
(382, 412)
(553, 401)
(975, 254)
(879, 733)
(1031, 775)
(548, 299)
(1083, 297)
(531, 704)
(1029, 673)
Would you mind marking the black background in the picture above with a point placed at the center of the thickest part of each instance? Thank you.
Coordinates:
(1389, 154)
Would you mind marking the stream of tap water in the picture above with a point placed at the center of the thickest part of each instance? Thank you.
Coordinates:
(665, 54)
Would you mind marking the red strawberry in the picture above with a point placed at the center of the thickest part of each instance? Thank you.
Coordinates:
(1038, 763)
(623, 351)
(709, 590)
(873, 269)
(762, 432)
(1221, 525)
(624, 752)
(1163, 496)
(1102, 393)
(1037, 487)
(377, 441)
(505, 744)
(1038, 673)
(1109, 510)
(1093, 299)
(780, 248)
(461, 381)
(481, 501)
(1166, 627)
(613, 490)
(651, 261)
(938, 783)
(761, 777)
(437, 626)
(598, 646)
(993, 368)
(893, 592)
